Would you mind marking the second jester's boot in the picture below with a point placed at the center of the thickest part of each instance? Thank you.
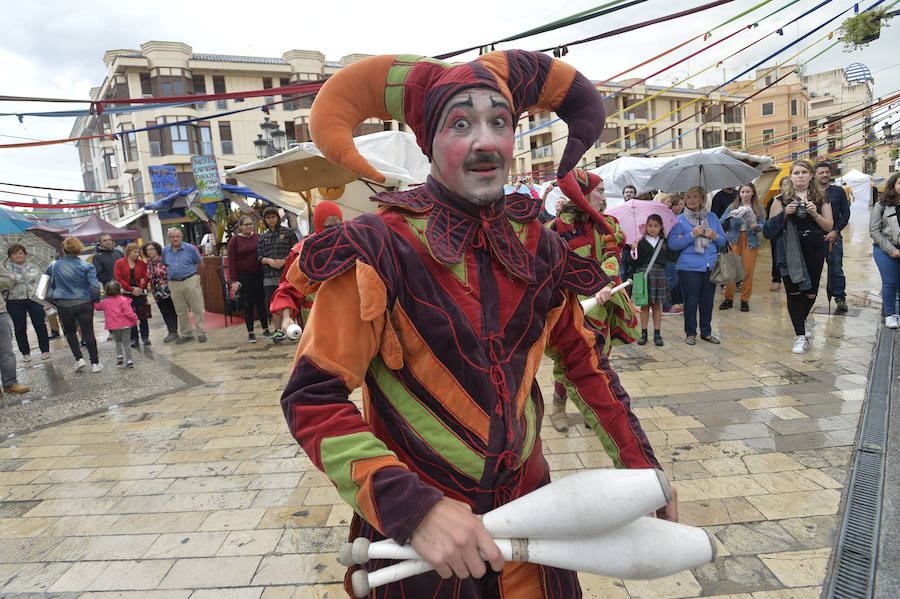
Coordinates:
(558, 417)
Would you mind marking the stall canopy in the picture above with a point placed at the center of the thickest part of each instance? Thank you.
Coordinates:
(13, 222)
(95, 226)
(284, 179)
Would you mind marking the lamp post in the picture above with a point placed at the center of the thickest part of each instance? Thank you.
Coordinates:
(271, 141)
(886, 129)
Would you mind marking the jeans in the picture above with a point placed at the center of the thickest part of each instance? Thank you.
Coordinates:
(836, 286)
(19, 311)
(75, 317)
(698, 294)
(672, 282)
(890, 279)
(776, 273)
(7, 359)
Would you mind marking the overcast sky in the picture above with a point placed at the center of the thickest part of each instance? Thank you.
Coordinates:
(54, 48)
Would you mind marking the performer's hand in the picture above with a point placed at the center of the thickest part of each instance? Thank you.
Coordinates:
(603, 295)
(830, 236)
(450, 537)
(670, 510)
(286, 319)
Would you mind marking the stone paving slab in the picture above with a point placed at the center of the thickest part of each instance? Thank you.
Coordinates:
(201, 492)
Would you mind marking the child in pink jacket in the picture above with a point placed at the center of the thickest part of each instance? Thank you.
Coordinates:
(120, 317)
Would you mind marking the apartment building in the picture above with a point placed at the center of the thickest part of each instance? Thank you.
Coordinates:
(161, 69)
(832, 93)
(679, 120)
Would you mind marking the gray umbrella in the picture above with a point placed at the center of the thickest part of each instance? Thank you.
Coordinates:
(40, 253)
(709, 170)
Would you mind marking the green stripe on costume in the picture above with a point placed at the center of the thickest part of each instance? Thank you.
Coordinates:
(417, 225)
(530, 431)
(429, 427)
(338, 455)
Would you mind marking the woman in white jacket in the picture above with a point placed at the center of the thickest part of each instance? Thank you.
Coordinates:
(884, 227)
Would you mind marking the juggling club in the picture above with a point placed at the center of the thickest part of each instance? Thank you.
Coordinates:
(642, 549)
(592, 301)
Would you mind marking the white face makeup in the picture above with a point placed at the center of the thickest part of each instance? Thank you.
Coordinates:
(473, 145)
(597, 198)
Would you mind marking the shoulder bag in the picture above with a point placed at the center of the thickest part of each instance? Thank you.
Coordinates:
(729, 268)
(639, 292)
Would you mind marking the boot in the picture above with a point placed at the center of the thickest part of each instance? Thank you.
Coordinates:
(558, 417)
(643, 339)
(657, 339)
(841, 306)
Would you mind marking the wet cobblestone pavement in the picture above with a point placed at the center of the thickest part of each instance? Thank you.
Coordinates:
(201, 492)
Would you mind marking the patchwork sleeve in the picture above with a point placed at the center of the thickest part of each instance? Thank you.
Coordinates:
(345, 330)
(595, 388)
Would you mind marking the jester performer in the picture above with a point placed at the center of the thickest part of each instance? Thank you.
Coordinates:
(592, 234)
(440, 305)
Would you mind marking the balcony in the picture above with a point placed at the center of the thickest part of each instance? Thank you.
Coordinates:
(543, 152)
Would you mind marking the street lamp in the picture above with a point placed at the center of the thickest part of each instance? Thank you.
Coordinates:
(886, 128)
(271, 141)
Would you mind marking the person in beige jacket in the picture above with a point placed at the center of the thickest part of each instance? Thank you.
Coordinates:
(884, 227)
(7, 358)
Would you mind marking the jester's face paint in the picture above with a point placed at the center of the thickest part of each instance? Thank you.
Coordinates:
(473, 145)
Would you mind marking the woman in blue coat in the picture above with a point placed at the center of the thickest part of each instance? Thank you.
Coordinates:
(699, 237)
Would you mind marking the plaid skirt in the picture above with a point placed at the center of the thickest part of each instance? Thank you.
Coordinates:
(657, 287)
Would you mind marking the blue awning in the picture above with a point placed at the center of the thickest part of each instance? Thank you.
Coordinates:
(169, 202)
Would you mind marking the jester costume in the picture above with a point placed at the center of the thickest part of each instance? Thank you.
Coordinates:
(599, 237)
(441, 310)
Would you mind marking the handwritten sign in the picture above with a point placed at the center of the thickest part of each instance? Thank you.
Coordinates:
(206, 176)
(163, 181)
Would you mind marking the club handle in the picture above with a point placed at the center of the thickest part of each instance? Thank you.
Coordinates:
(590, 302)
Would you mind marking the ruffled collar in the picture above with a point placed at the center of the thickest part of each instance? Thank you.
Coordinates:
(454, 224)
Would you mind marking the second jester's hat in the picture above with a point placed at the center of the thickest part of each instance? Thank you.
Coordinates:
(414, 89)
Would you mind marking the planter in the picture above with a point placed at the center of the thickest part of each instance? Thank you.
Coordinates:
(860, 30)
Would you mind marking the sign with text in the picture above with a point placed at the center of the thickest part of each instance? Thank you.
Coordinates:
(163, 181)
(206, 176)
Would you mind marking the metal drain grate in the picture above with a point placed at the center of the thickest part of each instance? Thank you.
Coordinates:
(853, 576)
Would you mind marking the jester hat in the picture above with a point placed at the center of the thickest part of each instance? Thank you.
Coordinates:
(577, 185)
(414, 89)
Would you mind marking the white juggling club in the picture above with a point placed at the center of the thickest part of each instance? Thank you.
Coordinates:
(293, 332)
(592, 301)
(642, 549)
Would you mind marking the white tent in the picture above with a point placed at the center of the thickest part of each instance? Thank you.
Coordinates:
(860, 185)
(302, 171)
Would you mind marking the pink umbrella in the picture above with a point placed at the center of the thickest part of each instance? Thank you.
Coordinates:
(632, 217)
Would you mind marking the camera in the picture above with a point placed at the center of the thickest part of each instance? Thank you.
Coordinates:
(801, 209)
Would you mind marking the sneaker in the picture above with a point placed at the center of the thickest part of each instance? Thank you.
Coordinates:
(691, 340)
(278, 336)
(16, 388)
(801, 345)
(170, 337)
(129, 364)
(712, 339)
(201, 338)
(83, 343)
(841, 306)
(892, 322)
(673, 311)
(96, 367)
(45, 355)
(55, 335)
(181, 340)
(251, 338)
(26, 358)
(774, 286)
(146, 341)
(119, 360)
(80, 364)
(267, 333)
(726, 305)
(745, 306)
(135, 343)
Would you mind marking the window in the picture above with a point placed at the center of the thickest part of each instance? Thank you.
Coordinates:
(146, 87)
(200, 90)
(733, 138)
(794, 132)
(170, 81)
(767, 136)
(181, 143)
(712, 139)
(732, 114)
(609, 105)
(112, 169)
(680, 139)
(129, 142)
(639, 112)
(635, 138)
(290, 135)
(813, 149)
(155, 137)
(768, 108)
(286, 104)
(609, 135)
(137, 188)
(225, 137)
(794, 107)
(267, 84)
(768, 80)
(712, 114)
(219, 88)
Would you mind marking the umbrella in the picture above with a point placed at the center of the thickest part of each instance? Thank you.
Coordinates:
(40, 253)
(13, 222)
(709, 170)
(632, 217)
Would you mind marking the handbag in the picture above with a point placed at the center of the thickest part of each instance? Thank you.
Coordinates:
(729, 268)
(45, 287)
(639, 292)
(143, 310)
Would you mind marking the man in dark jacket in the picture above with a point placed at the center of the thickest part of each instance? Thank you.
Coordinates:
(105, 257)
(722, 200)
(840, 208)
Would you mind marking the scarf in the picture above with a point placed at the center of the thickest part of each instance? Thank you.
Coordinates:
(793, 255)
(698, 219)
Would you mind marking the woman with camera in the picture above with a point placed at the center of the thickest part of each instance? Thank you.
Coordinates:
(799, 218)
